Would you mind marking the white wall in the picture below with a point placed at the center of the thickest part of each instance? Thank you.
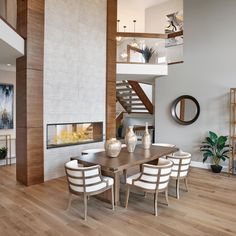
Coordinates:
(207, 74)
(134, 10)
(9, 77)
(74, 71)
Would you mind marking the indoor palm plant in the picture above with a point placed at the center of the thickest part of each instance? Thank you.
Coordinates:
(147, 53)
(216, 148)
(3, 153)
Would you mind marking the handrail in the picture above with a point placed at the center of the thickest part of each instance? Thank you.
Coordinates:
(175, 62)
(142, 96)
(131, 48)
(149, 35)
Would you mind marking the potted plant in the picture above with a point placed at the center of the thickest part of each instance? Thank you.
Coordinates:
(147, 53)
(3, 153)
(215, 147)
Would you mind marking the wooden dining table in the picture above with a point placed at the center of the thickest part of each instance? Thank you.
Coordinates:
(115, 166)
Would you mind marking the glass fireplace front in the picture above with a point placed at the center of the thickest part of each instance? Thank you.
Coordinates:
(67, 134)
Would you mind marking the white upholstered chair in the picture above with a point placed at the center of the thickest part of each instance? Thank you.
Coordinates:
(152, 179)
(164, 144)
(94, 150)
(181, 162)
(86, 181)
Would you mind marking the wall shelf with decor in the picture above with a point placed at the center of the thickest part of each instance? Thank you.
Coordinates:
(232, 130)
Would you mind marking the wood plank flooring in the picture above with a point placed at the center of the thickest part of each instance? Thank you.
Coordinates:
(209, 208)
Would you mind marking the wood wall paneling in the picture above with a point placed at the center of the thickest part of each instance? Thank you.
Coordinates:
(29, 93)
(111, 69)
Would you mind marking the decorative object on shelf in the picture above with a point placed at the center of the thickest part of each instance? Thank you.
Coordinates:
(130, 139)
(6, 106)
(147, 53)
(185, 110)
(146, 140)
(175, 23)
(215, 147)
(3, 153)
(113, 147)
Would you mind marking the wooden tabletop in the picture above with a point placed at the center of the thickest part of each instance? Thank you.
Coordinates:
(125, 159)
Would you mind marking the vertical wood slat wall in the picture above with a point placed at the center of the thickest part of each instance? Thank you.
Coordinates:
(29, 93)
(111, 69)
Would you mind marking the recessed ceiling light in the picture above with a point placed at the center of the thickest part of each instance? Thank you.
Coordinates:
(8, 64)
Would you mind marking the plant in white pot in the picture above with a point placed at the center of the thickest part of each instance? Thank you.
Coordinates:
(216, 148)
(3, 153)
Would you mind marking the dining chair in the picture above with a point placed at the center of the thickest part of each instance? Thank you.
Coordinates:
(94, 150)
(181, 162)
(164, 144)
(87, 181)
(152, 179)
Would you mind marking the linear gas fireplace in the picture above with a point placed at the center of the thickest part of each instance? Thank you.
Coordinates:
(67, 134)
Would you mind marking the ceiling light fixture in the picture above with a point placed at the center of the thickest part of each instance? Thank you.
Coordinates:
(134, 42)
(118, 38)
(8, 64)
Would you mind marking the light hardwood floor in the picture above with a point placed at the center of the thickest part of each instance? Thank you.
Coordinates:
(209, 208)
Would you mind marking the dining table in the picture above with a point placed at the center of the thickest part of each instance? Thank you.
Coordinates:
(116, 166)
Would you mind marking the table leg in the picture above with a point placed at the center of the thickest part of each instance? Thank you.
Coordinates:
(117, 188)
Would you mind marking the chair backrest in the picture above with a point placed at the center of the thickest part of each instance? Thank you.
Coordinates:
(94, 150)
(164, 144)
(156, 177)
(84, 179)
(181, 162)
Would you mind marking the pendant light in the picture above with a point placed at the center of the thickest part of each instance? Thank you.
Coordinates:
(118, 38)
(134, 42)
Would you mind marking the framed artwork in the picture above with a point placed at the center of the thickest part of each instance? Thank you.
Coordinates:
(6, 106)
(175, 23)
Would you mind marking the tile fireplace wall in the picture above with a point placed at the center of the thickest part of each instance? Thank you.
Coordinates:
(74, 72)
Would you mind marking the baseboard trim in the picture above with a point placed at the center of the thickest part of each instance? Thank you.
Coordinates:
(205, 165)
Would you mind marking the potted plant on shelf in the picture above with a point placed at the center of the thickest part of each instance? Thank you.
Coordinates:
(215, 147)
(147, 53)
(3, 153)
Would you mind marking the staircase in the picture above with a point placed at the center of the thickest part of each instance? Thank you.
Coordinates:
(132, 97)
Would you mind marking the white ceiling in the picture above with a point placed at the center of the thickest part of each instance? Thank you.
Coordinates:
(11, 44)
(8, 54)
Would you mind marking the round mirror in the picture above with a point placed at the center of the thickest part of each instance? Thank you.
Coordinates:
(185, 110)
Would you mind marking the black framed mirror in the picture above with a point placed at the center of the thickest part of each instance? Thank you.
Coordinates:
(185, 110)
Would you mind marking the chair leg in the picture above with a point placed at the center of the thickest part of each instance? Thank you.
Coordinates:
(127, 196)
(125, 175)
(155, 203)
(186, 184)
(112, 198)
(177, 188)
(69, 201)
(85, 207)
(166, 195)
(140, 168)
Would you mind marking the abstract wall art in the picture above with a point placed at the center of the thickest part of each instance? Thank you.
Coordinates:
(6, 106)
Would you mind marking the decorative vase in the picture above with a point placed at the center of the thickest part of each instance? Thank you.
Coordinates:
(216, 168)
(146, 140)
(130, 139)
(113, 147)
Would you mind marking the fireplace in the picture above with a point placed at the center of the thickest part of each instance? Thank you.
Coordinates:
(67, 134)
